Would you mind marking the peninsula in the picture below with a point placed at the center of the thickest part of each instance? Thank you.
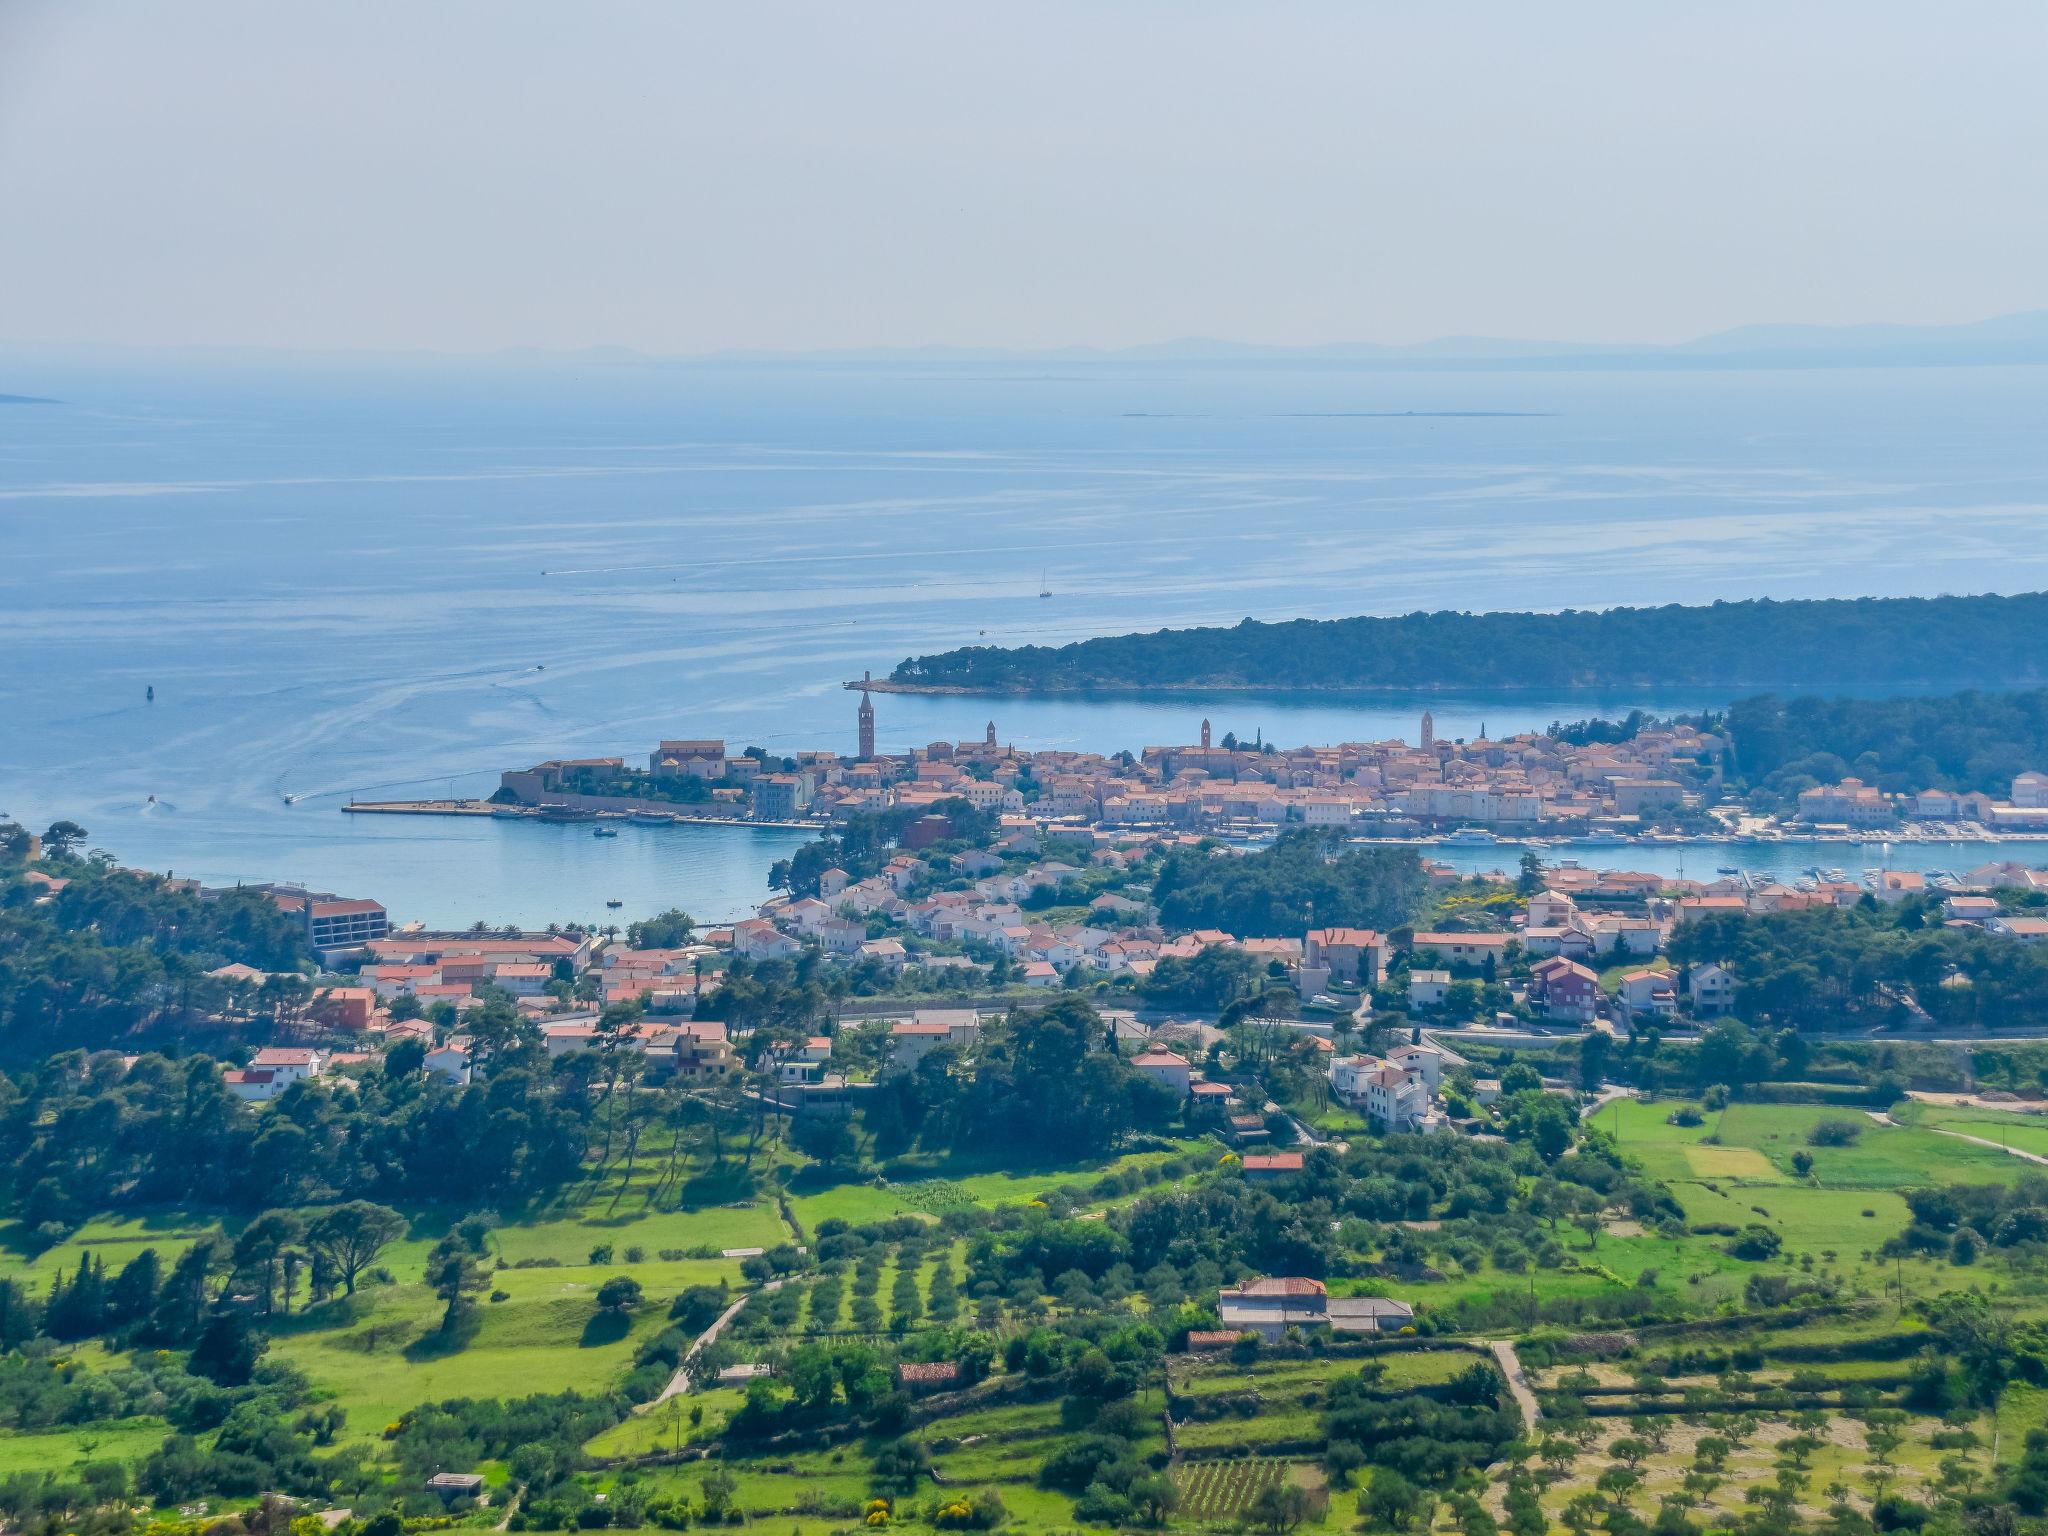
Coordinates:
(1894, 643)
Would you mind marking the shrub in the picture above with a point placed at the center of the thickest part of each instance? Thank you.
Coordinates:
(1756, 1244)
(1834, 1133)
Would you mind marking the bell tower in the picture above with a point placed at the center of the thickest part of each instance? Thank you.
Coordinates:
(1428, 730)
(1205, 733)
(867, 720)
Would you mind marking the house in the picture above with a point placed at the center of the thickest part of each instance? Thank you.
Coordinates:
(2029, 930)
(449, 1486)
(1399, 1100)
(1470, 950)
(349, 1008)
(1353, 955)
(910, 1039)
(1165, 1068)
(1427, 989)
(1647, 994)
(1969, 909)
(1259, 1166)
(1425, 1061)
(451, 1060)
(1567, 991)
(889, 952)
(521, 978)
(1269, 1307)
(286, 1064)
(251, 1085)
(755, 939)
(1713, 990)
(1895, 885)
(1040, 973)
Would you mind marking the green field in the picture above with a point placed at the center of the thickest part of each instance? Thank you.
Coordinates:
(2013, 1128)
(932, 1186)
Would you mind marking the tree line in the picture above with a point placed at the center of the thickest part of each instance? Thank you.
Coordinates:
(1862, 642)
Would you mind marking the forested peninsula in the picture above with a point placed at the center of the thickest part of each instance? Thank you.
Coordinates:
(1835, 643)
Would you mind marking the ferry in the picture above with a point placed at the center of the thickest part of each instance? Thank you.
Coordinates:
(1469, 837)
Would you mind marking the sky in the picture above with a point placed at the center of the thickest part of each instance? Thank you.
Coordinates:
(682, 178)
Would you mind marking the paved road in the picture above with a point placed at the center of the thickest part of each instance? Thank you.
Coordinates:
(1518, 1380)
(680, 1382)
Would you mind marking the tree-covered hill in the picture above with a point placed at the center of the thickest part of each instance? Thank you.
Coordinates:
(1836, 643)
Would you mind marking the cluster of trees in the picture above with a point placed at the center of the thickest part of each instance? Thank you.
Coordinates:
(115, 952)
(1962, 1220)
(1039, 1084)
(1963, 741)
(83, 1135)
(1869, 964)
(1841, 643)
(1307, 879)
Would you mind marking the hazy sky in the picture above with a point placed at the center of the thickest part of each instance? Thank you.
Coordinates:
(678, 177)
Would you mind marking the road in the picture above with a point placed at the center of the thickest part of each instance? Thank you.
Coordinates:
(680, 1382)
(1997, 1146)
(1518, 1381)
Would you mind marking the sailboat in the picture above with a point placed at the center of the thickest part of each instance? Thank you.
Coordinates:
(1043, 589)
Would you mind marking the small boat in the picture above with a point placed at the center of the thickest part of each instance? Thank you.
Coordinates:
(149, 693)
(615, 904)
(604, 831)
(650, 819)
(1043, 589)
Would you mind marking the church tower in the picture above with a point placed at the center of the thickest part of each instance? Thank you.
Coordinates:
(867, 722)
(989, 740)
(1428, 730)
(1205, 733)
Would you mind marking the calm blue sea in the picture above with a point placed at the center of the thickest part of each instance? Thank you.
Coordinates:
(395, 580)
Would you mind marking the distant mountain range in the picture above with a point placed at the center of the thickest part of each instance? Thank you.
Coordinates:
(2018, 338)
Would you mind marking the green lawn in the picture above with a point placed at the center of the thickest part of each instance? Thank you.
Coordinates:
(125, 1440)
(2028, 1132)
(539, 1339)
(936, 1185)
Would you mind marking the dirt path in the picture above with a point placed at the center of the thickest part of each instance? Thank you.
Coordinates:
(1996, 1146)
(680, 1382)
(1518, 1380)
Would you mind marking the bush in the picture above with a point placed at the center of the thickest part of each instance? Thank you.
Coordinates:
(1834, 1133)
(1756, 1244)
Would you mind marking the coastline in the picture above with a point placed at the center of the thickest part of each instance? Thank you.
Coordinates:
(1418, 690)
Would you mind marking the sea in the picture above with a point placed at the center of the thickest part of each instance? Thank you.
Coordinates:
(358, 578)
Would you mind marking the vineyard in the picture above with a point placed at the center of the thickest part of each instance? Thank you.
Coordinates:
(1223, 1490)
